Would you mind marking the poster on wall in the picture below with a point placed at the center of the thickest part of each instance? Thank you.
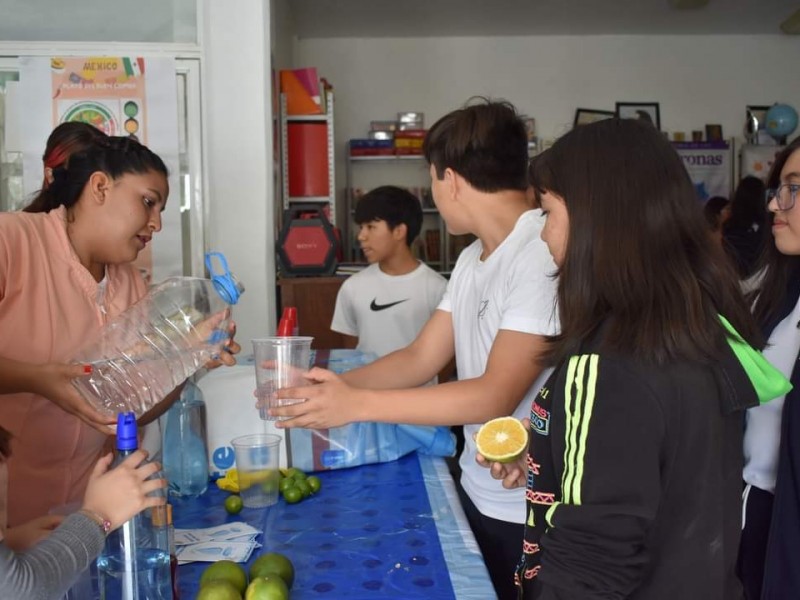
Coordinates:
(757, 160)
(710, 167)
(122, 96)
(107, 92)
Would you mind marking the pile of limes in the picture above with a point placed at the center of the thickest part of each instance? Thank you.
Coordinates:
(271, 577)
(295, 485)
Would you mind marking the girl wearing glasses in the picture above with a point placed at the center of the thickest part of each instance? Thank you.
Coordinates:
(771, 528)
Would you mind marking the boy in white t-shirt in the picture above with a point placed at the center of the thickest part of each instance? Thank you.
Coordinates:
(495, 317)
(384, 307)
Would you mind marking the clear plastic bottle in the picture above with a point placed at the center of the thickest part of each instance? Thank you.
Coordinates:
(133, 566)
(142, 354)
(165, 536)
(185, 448)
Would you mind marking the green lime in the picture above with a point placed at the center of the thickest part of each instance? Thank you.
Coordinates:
(272, 562)
(292, 495)
(286, 482)
(268, 587)
(304, 487)
(225, 570)
(233, 504)
(315, 483)
(218, 590)
(295, 473)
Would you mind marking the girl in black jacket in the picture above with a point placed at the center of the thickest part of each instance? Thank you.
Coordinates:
(633, 471)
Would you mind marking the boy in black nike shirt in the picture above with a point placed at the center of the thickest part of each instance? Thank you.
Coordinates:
(384, 307)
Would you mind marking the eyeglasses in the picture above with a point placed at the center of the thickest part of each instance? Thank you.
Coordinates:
(785, 195)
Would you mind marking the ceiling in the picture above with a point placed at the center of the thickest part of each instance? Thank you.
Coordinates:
(448, 18)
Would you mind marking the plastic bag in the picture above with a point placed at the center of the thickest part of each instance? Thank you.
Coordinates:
(362, 443)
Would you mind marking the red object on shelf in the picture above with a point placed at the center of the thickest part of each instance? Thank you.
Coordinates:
(308, 159)
(301, 89)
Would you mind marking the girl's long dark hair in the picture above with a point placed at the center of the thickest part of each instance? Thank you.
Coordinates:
(64, 141)
(639, 261)
(775, 269)
(114, 156)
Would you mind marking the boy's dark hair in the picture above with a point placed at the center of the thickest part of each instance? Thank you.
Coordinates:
(713, 211)
(394, 205)
(640, 269)
(485, 143)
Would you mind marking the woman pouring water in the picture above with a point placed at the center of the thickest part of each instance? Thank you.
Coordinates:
(64, 271)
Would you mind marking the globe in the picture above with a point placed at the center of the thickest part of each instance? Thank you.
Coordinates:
(781, 121)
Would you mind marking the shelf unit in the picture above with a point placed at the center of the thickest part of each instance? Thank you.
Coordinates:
(369, 172)
(321, 120)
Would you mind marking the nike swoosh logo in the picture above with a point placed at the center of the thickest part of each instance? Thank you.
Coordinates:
(376, 307)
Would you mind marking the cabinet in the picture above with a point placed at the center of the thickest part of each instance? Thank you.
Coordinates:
(435, 246)
(307, 167)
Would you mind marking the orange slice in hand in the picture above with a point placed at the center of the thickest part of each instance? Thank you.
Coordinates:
(502, 440)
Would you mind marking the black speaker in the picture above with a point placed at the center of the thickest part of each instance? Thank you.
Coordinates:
(307, 244)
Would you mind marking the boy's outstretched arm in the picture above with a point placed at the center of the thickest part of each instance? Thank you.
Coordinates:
(413, 365)
(511, 370)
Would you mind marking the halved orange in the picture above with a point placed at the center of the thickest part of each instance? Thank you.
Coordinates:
(502, 440)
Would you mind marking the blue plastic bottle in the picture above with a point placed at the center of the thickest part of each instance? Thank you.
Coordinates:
(184, 448)
(132, 566)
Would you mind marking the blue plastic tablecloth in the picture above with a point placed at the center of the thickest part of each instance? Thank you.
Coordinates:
(388, 530)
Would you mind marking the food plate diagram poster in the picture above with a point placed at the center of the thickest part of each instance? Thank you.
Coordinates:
(106, 91)
(121, 96)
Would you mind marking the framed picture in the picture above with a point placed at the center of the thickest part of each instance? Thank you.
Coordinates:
(584, 116)
(760, 113)
(713, 133)
(646, 111)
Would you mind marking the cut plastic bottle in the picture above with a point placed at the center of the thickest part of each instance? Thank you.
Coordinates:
(142, 354)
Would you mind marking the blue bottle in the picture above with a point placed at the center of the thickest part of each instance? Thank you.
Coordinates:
(184, 448)
(132, 566)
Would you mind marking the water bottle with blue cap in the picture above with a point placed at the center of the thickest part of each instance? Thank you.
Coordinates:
(133, 565)
(144, 353)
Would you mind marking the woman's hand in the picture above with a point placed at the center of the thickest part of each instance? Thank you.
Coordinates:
(229, 349)
(27, 535)
(54, 382)
(120, 493)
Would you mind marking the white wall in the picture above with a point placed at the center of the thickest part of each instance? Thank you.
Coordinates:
(282, 33)
(696, 79)
(238, 148)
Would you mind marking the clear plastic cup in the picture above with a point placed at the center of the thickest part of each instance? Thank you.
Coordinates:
(257, 460)
(280, 363)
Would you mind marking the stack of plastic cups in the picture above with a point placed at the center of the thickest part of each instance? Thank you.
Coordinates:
(288, 326)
